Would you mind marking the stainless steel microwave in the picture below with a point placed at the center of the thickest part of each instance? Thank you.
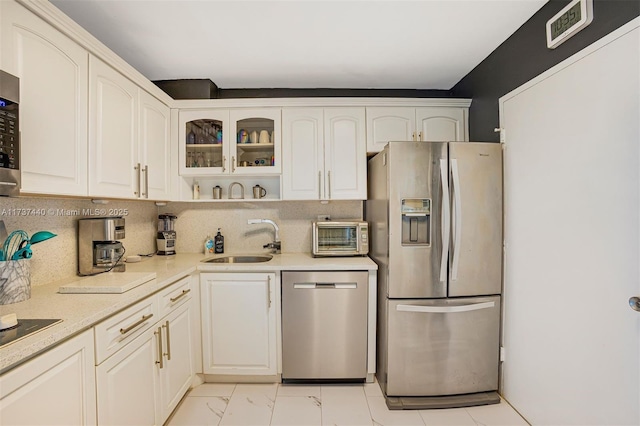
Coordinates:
(9, 135)
(344, 238)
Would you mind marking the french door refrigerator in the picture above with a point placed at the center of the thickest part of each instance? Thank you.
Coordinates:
(435, 215)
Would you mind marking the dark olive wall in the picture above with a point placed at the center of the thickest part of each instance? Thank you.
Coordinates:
(525, 55)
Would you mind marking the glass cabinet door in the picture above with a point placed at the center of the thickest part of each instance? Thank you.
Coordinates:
(255, 149)
(204, 142)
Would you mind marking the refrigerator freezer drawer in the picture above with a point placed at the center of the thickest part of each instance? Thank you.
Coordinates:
(442, 347)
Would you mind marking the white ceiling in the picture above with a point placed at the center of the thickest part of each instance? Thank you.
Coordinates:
(428, 44)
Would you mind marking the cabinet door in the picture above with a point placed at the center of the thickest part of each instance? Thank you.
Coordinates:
(239, 323)
(55, 388)
(204, 138)
(385, 124)
(255, 141)
(155, 148)
(177, 369)
(113, 133)
(302, 153)
(53, 72)
(127, 384)
(345, 154)
(441, 124)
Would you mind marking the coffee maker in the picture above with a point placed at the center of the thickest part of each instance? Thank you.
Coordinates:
(98, 247)
(166, 238)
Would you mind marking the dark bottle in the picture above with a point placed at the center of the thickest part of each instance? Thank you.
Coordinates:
(218, 243)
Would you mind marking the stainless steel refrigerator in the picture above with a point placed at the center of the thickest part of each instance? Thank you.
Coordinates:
(435, 215)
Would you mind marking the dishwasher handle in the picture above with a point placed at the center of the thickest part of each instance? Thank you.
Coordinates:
(338, 286)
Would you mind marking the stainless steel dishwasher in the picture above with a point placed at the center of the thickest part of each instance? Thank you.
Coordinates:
(324, 326)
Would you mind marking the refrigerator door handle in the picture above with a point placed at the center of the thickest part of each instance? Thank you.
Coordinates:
(457, 224)
(445, 309)
(445, 219)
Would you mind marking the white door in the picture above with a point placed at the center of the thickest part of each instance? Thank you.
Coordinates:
(385, 124)
(113, 133)
(53, 72)
(345, 156)
(238, 323)
(155, 148)
(441, 124)
(302, 153)
(572, 232)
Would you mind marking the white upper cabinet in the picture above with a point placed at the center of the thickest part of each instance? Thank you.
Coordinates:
(441, 124)
(114, 166)
(385, 124)
(155, 147)
(129, 139)
(53, 72)
(255, 150)
(324, 155)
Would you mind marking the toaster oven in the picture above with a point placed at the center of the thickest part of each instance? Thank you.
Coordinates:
(344, 238)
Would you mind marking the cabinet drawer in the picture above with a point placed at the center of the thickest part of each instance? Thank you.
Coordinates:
(115, 332)
(173, 296)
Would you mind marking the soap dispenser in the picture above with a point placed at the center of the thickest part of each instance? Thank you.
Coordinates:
(218, 243)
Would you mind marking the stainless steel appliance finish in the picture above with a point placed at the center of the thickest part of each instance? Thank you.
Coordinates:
(9, 134)
(166, 237)
(344, 238)
(98, 247)
(324, 325)
(435, 212)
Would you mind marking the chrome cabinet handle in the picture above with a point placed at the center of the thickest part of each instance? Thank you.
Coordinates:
(634, 302)
(224, 162)
(180, 296)
(269, 291)
(233, 164)
(146, 181)
(168, 353)
(319, 185)
(134, 325)
(329, 183)
(158, 333)
(137, 169)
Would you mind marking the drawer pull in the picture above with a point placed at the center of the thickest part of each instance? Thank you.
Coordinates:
(180, 296)
(137, 323)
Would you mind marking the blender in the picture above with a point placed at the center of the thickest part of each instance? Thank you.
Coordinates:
(166, 238)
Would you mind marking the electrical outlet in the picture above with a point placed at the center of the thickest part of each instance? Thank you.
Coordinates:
(324, 217)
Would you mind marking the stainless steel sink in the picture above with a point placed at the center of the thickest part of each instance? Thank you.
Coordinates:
(239, 259)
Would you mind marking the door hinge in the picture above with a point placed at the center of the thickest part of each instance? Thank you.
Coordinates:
(503, 353)
(503, 134)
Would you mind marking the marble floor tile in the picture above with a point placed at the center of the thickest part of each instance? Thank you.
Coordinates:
(447, 417)
(382, 416)
(213, 389)
(297, 411)
(496, 415)
(372, 389)
(298, 390)
(345, 406)
(250, 405)
(196, 411)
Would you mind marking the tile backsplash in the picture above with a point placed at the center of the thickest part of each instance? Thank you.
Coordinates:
(57, 258)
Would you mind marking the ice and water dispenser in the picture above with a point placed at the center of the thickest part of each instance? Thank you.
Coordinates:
(416, 221)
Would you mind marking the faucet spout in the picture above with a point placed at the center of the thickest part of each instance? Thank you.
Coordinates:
(276, 245)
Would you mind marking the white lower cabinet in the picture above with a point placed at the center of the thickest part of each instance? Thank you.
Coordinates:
(55, 388)
(142, 383)
(239, 323)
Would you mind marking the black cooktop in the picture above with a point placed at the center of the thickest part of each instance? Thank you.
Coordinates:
(24, 328)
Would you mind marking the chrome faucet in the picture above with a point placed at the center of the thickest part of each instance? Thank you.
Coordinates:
(275, 245)
(231, 190)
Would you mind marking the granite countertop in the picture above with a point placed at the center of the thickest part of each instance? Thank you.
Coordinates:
(80, 312)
